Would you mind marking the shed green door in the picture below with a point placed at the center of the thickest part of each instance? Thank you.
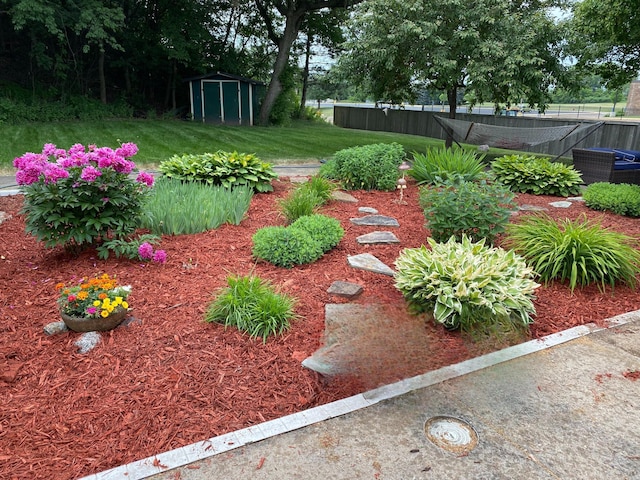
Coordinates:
(212, 105)
(231, 102)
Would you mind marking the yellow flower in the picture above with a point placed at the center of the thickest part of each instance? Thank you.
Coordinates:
(82, 295)
(97, 303)
(117, 301)
(125, 305)
(104, 313)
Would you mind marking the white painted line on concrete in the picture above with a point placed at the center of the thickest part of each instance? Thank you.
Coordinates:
(182, 456)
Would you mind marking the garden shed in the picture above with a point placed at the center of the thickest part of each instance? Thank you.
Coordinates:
(225, 98)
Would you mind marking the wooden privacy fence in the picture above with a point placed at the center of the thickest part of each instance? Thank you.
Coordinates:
(619, 135)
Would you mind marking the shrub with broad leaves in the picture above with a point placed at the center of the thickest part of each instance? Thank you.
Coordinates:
(467, 285)
(81, 196)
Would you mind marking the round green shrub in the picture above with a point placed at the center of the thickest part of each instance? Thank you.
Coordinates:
(325, 230)
(620, 198)
(285, 247)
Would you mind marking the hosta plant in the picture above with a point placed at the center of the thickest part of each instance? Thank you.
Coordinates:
(79, 197)
(620, 198)
(228, 169)
(253, 306)
(529, 174)
(439, 164)
(475, 209)
(467, 285)
(577, 251)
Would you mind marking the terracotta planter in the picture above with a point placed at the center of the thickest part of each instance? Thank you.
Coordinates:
(100, 324)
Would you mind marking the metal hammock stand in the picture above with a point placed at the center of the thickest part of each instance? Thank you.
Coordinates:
(511, 138)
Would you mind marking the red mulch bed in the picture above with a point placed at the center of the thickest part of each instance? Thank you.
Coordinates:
(170, 379)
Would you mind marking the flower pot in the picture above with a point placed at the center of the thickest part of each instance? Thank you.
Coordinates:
(99, 324)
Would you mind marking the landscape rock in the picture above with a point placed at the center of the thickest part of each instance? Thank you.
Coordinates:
(4, 216)
(377, 238)
(341, 196)
(561, 204)
(376, 220)
(575, 199)
(54, 328)
(345, 289)
(87, 341)
(532, 208)
(369, 210)
(366, 261)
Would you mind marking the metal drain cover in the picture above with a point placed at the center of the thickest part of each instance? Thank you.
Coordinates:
(451, 433)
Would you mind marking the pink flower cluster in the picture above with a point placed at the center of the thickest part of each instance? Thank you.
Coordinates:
(55, 163)
(146, 252)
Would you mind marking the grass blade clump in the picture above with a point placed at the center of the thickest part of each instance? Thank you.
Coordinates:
(253, 306)
(177, 207)
(439, 164)
(580, 252)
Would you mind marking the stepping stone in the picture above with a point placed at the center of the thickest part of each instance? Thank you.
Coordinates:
(4, 216)
(366, 261)
(561, 204)
(87, 341)
(532, 208)
(377, 238)
(55, 327)
(369, 210)
(376, 220)
(341, 196)
(345, 289)
(575, 199)
(299, 179)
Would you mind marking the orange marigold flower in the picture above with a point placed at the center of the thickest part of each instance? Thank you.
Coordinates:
(59, 286)
(82, 295)
(102, 296)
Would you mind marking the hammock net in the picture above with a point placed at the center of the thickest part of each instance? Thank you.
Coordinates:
(512, 138)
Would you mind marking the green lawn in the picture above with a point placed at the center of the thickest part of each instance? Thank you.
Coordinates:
(158, 140)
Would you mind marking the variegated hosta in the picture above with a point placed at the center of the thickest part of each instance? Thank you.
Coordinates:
(467, 285)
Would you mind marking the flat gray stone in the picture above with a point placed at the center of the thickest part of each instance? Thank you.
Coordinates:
(55, 327)
(376, 220)
(87, 341)
(561, 204)
(341, 196)
(369, 210)
(532, 208)
(345, 289)
(377, 238)
(575, 199)
(366, 261)
(4, 216)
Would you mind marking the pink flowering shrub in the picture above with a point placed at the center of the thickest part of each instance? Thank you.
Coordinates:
(81, 196)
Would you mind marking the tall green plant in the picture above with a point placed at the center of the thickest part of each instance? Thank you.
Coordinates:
(580, 252)
(456, 208)
(177, 207)
(439, 164)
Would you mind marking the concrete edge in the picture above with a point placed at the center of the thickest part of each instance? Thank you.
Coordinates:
(183, 456)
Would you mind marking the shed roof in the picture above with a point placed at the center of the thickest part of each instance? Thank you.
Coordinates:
(230, 76)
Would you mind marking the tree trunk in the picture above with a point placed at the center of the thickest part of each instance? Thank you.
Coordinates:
(305, 74)
(103, 81)
(284, 47)
(452, 98)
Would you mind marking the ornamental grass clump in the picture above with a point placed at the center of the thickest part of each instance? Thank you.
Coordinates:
(580, 251)
(82, 196)
(93, 297)
(439, 164)
(539, 176)
(467, 285)
(253, 306)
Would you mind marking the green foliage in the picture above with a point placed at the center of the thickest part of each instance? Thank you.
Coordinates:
(580, 251)
(287, 105)
(127, 248)
(438, 164)
(325, 230)
(178, 207)
(529, 174)
(285, 247)
(300, 202)
(456, 208)
(467, 285)
(253, 306)
(620, 198)
(368, 167)
(221, 168)
(323, 187)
